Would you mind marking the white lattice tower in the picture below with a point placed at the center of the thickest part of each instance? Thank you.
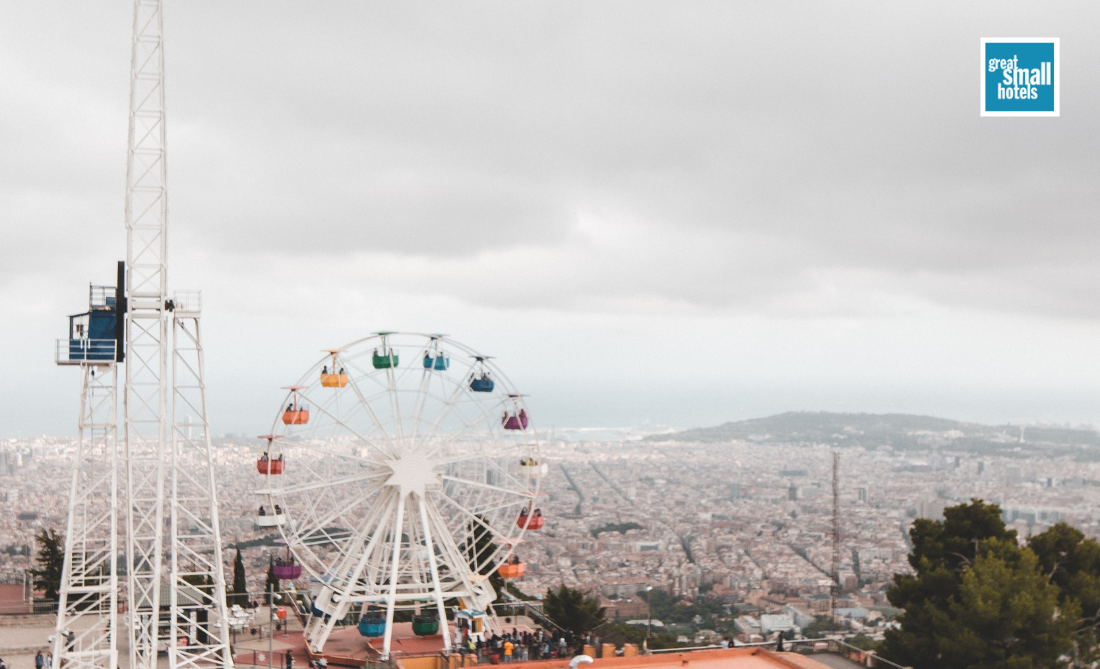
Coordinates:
(146, 333)
(197, 579)
(89, 581)
(196, 588)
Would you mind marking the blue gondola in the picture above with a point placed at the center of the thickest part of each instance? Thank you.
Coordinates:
(372, 626)
(440, 363)
(482, 385)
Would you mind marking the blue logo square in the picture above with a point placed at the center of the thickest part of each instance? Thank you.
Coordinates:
(1020, 77)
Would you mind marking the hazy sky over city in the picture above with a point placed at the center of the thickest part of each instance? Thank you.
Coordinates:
(651, 213)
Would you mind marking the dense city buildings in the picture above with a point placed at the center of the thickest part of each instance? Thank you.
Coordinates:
(745, 521)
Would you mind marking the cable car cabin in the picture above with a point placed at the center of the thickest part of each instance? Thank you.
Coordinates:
(373, 625)
(530, 521)
(425, 625)
(265, 519)
(385, 361)
(482, 385)
(333, 380)
(515, 421)
(439, 363)
(295, 415)
(266, 465)
(287, 570)
(513, 569)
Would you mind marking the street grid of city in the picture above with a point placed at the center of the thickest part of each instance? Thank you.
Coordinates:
(746, 521)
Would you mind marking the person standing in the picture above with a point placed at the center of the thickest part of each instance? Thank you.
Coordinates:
(49, 660)
(779, 642)
(508, 647)
(289, 660)
(39, 660)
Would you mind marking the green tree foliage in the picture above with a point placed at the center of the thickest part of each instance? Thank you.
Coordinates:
(573, 610)
(272, 583)
(51, 560)
(240, 585)
(669, 609)
(977, 599)
(1072, 563)
(618, 633)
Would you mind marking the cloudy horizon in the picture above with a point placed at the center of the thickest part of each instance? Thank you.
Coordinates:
(673, 214)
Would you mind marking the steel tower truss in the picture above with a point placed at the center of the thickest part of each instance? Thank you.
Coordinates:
(89, 577)
(146, 328)
(197, 584)
(196, 587)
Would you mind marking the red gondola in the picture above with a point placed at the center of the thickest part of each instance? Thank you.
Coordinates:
(530, 521)
(266, 465)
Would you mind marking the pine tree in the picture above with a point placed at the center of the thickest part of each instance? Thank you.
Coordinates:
(51, 557)
(977, 599)
(272, 583)
(240, 585)
(573, 610)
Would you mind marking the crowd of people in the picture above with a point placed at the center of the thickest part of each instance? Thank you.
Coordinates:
(517, 646)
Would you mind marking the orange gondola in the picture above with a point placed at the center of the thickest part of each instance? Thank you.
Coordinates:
(333, 379)
(295, 416)
(512, 569)
(296, 413)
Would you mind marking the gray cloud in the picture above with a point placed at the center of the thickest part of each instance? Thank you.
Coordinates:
(782, 161)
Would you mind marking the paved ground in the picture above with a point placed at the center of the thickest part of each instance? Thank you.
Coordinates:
(835, 661)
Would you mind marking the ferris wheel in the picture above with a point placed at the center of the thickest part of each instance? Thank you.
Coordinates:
(402, 471)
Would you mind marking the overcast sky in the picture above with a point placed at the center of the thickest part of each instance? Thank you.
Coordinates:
(674, 213)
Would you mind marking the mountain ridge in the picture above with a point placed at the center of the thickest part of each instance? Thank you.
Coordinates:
(896, 430)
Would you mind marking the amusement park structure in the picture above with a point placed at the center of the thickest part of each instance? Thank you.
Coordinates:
(402, 471)
(165, 455)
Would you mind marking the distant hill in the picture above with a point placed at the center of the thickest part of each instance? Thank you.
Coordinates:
(899, 431)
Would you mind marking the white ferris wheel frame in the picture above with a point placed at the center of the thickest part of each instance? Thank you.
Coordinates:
(414, 474)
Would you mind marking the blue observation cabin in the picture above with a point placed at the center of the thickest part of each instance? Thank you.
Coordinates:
(440, 363)
(96, 336)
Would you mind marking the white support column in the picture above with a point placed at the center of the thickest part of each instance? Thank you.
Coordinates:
(89, 579)
(395, 561)
(197, 576)
(435, 574)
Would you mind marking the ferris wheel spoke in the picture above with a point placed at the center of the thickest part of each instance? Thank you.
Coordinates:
(374, 418)
(372, 527)
(467, 427)
(344, 456)
(448, 405)
(485, 486)
(344, 506)
(339, 421)
(316, 485)
(480, 556)
(449, 551)
(421, 399)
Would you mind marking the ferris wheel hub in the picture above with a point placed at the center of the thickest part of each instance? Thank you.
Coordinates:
(412, 474)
